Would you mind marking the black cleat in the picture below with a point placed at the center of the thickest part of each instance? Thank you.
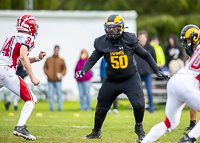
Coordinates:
(7, 105)
(187, 139)
(188, 128)
(21, 131)
(140, 132)
(16, 108)
(94, 135)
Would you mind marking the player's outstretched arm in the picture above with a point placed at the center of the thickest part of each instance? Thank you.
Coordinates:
(89, 64)
(26, 63)
(38, 58)
(149, 59)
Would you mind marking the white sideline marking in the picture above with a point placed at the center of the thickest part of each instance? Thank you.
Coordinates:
(50, 137)
(66, 126)
(127, 116)
(9, 120)
(53, 116)
(80, 126)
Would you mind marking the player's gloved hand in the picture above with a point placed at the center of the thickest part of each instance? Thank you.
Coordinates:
(161, 74)
(80, 73)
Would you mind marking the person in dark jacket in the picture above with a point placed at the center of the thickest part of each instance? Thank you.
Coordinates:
(144, 69)
(173, 55)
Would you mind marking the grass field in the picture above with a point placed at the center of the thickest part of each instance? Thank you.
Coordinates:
(63, 126)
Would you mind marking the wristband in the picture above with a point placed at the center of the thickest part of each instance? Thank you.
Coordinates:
(37, 59)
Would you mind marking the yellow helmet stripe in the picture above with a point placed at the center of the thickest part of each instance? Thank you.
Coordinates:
(107, 20)
(117, 19)
(188, 32)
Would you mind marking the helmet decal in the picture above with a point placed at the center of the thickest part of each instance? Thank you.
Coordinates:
(191, 32)
(194, 30)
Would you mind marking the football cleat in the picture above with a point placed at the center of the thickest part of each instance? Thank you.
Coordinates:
(188, 128)
(140, 132)
(7, 106)
(187, 139)
(94, 135)
(21, 131)
(109, 111)
(115, 111)
(16, 108)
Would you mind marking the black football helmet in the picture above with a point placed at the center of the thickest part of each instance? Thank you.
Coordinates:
(114, 26)
(191, 32)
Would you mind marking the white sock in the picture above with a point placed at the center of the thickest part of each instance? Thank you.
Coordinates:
(195, 132)
(25, 113)
(155, 133)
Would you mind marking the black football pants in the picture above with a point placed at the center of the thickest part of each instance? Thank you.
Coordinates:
(109, 91)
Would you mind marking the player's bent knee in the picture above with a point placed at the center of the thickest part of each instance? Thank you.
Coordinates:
(170, 125)
(138, 105)
(101, 110)
(33, 102)
(174, 125)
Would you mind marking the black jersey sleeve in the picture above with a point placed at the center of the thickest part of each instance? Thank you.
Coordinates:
(92, 60)
(135, 40)
(142, 53)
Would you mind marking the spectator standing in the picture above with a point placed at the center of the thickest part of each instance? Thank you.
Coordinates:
(144, 69)
(55, 69)
(84, 83)
(173, 55)
(103, 74)
(12, 98)
(160, 56)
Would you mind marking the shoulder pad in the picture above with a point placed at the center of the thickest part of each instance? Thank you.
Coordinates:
(130, 38)
(98, 42)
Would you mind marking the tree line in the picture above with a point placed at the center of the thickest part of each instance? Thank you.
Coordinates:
(158, 17)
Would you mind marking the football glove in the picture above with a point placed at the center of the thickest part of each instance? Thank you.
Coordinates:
(161, 74)
(80, 73)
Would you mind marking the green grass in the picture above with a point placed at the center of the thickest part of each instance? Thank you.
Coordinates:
(63, 126)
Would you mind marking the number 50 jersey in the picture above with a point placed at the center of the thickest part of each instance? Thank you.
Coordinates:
(11, 48)
(119, 58)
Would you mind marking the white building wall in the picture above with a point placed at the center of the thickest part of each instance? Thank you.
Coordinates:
(71, 30)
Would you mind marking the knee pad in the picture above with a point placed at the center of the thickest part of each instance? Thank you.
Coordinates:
(101, 110)
(100, 114)
(138, 105)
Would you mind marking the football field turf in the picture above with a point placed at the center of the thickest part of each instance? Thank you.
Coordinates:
(71, 124)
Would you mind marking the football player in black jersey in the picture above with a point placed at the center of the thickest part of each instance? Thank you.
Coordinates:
(118, 48)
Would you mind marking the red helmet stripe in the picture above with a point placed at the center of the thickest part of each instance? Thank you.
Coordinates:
(20, 20)
(28, 18)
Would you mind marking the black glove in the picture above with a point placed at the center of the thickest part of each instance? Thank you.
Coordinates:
(161, 74)
(80, 73)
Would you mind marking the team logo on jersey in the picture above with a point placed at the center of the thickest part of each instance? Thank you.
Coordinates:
(117, 53)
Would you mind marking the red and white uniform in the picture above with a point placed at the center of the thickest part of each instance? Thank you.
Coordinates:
(11, 48)
(9, 55)
(182, 88)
